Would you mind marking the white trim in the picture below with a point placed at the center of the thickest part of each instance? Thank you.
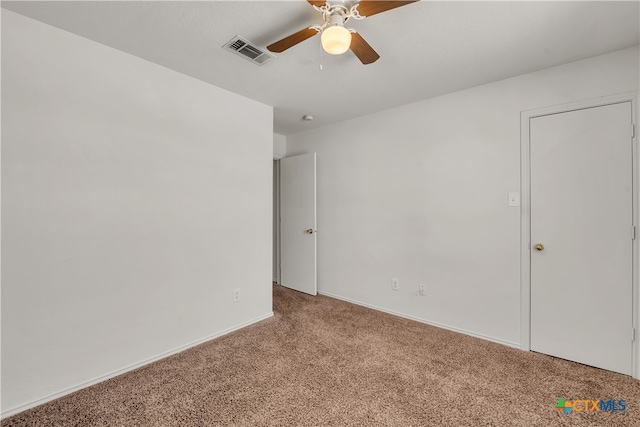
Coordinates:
(53, 396)
(635, 368)
(427, 322)
(525, 237)
(525, 212)
(315, 223)
(276, 221)
(279, 235)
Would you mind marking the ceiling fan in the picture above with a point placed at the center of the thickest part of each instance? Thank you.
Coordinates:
(335, 38)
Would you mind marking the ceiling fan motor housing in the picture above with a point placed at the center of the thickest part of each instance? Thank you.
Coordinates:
(337, 18)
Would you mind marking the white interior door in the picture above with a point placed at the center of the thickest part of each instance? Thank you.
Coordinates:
(298, 223)
(581, 214)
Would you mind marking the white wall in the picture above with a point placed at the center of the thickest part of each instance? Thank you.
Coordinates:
(135, 199)
(419, 193)
(279, 146)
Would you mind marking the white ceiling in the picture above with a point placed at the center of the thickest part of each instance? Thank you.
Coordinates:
(427, 48)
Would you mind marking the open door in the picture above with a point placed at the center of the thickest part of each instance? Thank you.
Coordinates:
(298, 223)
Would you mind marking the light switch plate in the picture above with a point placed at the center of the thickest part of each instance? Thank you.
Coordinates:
(514, 199)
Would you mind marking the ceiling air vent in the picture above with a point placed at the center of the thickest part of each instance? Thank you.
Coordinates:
(248, 50)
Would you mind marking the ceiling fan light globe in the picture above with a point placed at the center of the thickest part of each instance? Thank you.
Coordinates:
(335, 40)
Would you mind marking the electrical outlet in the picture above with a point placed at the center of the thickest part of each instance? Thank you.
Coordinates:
(236, 295)
(395, 284)
(421, 290)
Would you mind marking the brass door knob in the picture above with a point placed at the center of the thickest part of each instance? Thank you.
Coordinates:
(539, 247)
(310, 231)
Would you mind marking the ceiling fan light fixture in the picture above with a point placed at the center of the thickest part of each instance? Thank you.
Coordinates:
(335, 40)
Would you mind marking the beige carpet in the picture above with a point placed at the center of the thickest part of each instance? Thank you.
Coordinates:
(323, 362)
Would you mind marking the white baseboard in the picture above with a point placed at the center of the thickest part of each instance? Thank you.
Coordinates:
(121, 371)
(427, 322)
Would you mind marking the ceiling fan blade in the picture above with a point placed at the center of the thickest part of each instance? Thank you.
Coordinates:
(371, 7)
(292, 40)
(362, 49)
(318, 3)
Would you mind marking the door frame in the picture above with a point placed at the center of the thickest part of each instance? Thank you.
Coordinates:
(276, 219)
(525, 213)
